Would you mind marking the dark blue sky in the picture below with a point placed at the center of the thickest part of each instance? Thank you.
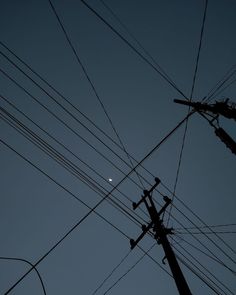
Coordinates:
(35, 212)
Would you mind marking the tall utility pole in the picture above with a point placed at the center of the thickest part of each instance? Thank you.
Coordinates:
(213, 111)
(160, 234)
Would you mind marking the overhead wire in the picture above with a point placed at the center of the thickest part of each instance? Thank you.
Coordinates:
(92, 209)
(29, 263)
(203, 252)
(203, 267)
(117, 18)
(218, 87)
(132, 47)
(85, 71)
(70, 167)
(129, 270)
(200, 276)
(189, 109)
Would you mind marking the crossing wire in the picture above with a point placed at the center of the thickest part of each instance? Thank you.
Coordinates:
(69, 166)
(132, 47)
(66, 148)
(203, 267)
(91, 84)
(29, 263)
(203, 252)
(191, 95)
(129, 270)
(136, 40)
(91, 209)
(200, 276)
(63, 122)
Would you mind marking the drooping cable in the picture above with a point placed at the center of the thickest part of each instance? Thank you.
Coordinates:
(29, 263)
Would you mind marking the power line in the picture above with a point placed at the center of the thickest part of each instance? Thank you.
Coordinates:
(203, 252)
(203, 267)
(92, 209)
(191, 95)
(200, 219)
(69, 166)
(136, 40)
(129, 270)
(132, 47)
(29, 263)
(91, 83)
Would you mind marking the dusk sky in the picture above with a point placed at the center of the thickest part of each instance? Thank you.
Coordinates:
(63, 134)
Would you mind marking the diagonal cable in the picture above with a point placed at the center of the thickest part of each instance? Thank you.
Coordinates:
(191, 95)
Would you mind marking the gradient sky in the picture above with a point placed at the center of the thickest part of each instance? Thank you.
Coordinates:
(35, 213)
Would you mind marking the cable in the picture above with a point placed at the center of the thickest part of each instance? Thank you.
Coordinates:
(211, 226)
(200, 219)
(58, 142)
(201, 251)
(136, 40)
(207, 270)
(93, 208)
(195, 272)
(111, 273)
(199, 233)
(132, 47)
(199, 49)
(69, 166)
(129, 270)
(90, 82)
(191, 95)
(29, 263)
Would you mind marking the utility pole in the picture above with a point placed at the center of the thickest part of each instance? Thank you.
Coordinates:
(213, 111)
(160, 234)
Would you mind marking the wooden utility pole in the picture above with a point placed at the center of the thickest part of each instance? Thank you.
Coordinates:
(160, 234)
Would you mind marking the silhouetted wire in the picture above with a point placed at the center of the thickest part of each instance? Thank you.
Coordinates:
(199, 218)
(223, 89)
(116, 205)
(203, 252)
(220, 83)
(199, 275)
(92, 209)
(203, 245)
(203, 267)
(60, 96)
(72, 130)
(210, 226)
(62, 145)
(168, 135)
(208, 233)
(73, 105)
(29, 263)
(136, 40)
(129, 270)
(85, 71)
(217, 88)
(132, 47)
(189, 109)
(210, 239)
(63, 107)
(65, 124)
(69, 166)
(111, 273)
(65, 99)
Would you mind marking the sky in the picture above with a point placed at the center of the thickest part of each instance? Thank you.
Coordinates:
(41, 200)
